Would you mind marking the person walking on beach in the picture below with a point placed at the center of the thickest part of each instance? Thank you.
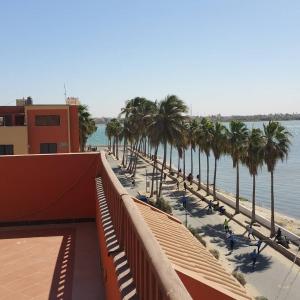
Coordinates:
(226, 225)
(253, 258)
(250, 232)
(177, 185)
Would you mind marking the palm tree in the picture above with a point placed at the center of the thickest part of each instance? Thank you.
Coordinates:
(114, 129)
(200, 144)
(218, 147)
(237, 143)
(167, 125)
(192, 127)
(87, 125)
(254, 159)
(207, 127)
(276, 148)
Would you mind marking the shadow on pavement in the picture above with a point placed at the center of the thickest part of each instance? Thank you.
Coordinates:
(244, 263)
(218, 235)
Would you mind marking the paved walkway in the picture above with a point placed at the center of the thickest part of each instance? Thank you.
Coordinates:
(274, 277)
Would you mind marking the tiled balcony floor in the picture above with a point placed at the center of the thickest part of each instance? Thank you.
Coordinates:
(50, 262)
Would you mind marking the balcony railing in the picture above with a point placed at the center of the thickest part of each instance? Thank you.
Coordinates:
(154, 276)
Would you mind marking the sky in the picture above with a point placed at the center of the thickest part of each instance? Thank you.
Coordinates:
(219, 56)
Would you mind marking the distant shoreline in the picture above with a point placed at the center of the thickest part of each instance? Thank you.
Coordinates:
(250, 118)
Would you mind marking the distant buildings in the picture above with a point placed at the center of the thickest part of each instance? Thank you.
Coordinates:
(32, 129)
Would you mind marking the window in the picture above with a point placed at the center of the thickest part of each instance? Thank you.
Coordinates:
(47, 120)
(48, 148)
(6, 120)
(19, 120)
(6, 149)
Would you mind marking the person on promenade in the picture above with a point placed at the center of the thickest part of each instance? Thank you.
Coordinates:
(165, 176)
(278, 235)
(185, 186)
(258, 244)
(226, 225)
(177, 183)
(250, 232)
(190, 178)
(210, 207)
(254, 258)
(179, 172)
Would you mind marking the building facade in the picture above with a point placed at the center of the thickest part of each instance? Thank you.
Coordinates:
(35, 129)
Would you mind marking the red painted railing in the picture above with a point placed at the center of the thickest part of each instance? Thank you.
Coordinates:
(154, 276)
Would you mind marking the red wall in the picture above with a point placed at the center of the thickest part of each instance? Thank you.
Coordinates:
(54, 134)
(48, 186)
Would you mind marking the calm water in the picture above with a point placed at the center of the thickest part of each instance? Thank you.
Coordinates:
(287, 173)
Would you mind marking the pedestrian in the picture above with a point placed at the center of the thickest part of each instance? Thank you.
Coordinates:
(179, 172)
(250, 232)
(165, 176)
(177, 185)
(185, 186)
(226, 225)
(258, 244)
(278, 234)
(253, 257)
(210, 205)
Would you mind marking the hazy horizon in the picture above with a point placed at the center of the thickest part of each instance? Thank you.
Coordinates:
(223, 57)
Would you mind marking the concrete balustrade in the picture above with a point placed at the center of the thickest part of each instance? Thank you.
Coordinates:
(154, 276)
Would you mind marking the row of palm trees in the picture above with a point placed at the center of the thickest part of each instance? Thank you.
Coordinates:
(144, 125)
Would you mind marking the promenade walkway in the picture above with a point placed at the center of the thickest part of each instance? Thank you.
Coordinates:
(274, 277)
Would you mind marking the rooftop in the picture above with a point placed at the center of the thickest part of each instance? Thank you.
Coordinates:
(50, 262)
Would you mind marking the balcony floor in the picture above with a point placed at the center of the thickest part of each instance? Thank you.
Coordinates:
(50, 262)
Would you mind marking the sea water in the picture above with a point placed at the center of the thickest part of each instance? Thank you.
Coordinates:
(286, 176)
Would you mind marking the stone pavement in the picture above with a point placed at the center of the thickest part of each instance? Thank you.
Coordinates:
(274, 276)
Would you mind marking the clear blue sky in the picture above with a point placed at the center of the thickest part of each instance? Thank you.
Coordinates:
(220, 56)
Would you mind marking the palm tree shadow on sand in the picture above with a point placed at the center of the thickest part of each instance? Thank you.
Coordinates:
(244, 263)
(218, 236)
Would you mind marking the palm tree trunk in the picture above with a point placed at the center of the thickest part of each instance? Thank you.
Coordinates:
(136, 157)
(207, 175)
(171, 149)
(162, 169)
(192, 163)
(215, 179)
(253, 200)
(183, 154)
(272, 205)
(117, 148)
(124, 149)
(237, 196)
(114, 146)
(199, 179)
(153, 172)
(178, 165)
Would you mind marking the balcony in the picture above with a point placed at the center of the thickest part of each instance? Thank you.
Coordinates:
(71, 231)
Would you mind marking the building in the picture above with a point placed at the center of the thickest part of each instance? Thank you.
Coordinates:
(34, 129)
(71, 231)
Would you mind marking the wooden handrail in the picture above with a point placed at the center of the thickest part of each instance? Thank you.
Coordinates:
(154, 276)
